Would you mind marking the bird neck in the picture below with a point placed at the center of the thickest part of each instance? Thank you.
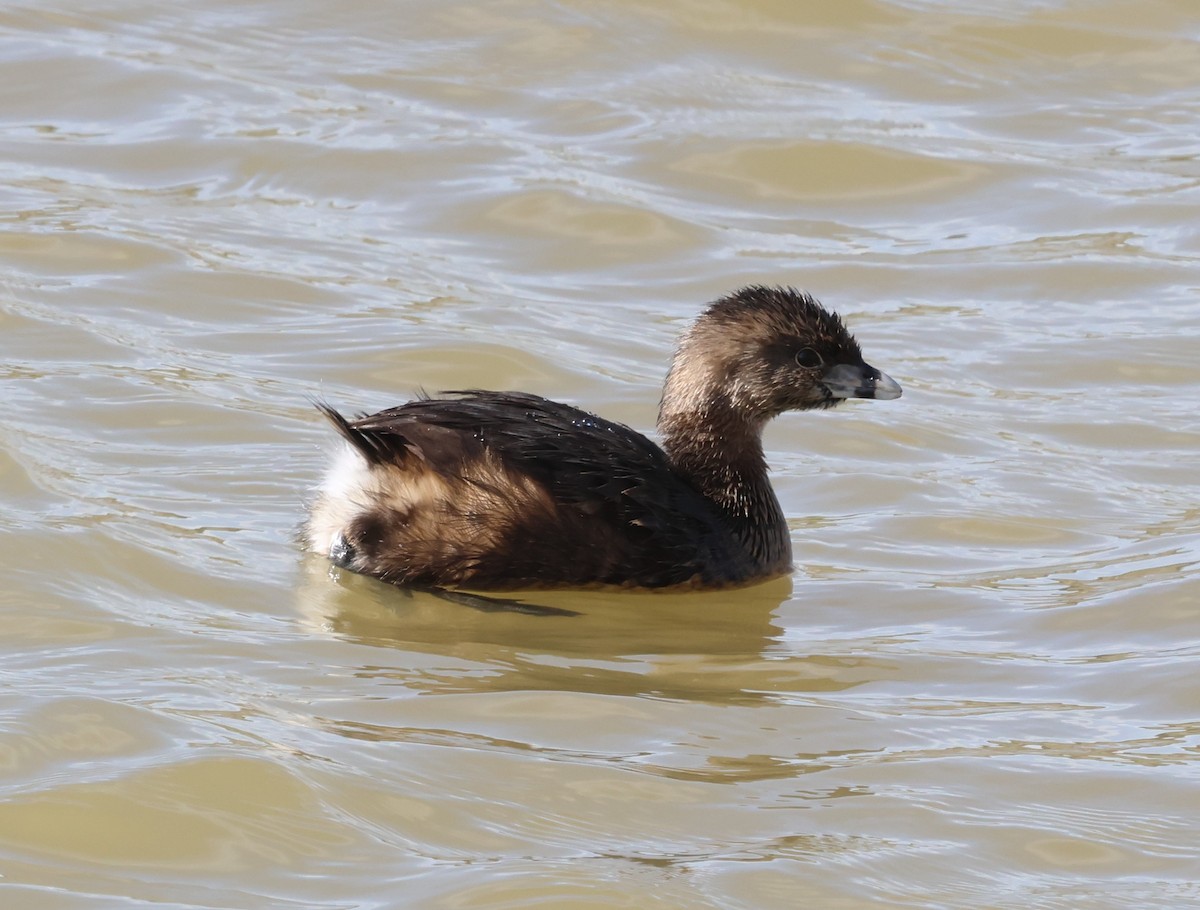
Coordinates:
(720, 452)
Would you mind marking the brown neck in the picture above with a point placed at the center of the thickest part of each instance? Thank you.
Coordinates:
(720, 452)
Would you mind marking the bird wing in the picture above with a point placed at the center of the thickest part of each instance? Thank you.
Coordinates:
(614, 489)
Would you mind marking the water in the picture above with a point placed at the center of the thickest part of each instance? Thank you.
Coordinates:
(977, 690)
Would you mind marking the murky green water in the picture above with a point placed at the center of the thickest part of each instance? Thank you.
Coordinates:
(978, 689)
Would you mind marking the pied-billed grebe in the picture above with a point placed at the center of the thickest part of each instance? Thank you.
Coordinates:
(505, 490)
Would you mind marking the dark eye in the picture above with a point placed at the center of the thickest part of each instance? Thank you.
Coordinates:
(808, 358)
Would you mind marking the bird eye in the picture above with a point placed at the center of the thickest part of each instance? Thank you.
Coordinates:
(809, 359)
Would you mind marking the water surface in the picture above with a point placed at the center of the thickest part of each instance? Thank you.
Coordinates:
(978, 688)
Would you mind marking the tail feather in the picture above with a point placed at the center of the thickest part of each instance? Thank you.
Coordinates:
(376, 447)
